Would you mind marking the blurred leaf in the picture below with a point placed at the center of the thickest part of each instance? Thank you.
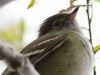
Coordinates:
(22, 29)
(5, 36)
(96, 0)
(85, 28)
(14, 33)
(96, 49)
(31, 3)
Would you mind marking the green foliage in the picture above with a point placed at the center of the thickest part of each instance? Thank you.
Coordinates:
(31, 3)
(14, 33)
(96, 0)
(22, 29)
(96, 49)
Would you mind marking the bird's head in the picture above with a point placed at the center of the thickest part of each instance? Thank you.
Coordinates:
(60, 22)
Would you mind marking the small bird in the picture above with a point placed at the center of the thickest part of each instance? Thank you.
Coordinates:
(61, 48)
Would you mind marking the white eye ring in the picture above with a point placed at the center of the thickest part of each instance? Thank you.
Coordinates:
(56, 24)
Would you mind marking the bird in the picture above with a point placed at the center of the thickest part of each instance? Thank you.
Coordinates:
(61, 48)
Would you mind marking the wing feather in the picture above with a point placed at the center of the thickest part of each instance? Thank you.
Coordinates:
(43, 46)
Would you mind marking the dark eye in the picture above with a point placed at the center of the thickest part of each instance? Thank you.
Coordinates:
(56, 24)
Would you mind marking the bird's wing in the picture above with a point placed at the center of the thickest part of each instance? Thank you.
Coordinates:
(43, 46)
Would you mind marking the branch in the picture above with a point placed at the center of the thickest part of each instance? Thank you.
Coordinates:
(17, 62)
(73, 6)
(3, 2)
(89, 19)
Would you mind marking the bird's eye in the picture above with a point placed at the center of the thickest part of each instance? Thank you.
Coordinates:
(56, 24)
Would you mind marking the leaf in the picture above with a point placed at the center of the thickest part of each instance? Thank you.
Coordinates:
(31, 4)
(14, 33)
(9, 36)
(22, 29)
(5, 36)
(96, 0)
(96, 49)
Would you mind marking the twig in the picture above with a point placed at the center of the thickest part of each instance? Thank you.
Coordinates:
(73, 6)
(17, 62)
(89, 19)
(4, 2)
(85, 28)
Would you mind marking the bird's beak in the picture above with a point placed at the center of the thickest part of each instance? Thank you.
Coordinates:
(72, 15)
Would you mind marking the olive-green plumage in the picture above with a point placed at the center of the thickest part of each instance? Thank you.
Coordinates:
(61, 48)
(73, 57)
